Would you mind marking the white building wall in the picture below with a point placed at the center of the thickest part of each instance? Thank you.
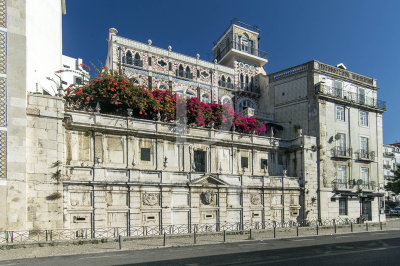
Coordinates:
(43, 44)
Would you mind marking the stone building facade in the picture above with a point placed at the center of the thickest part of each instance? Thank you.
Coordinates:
(341, 109)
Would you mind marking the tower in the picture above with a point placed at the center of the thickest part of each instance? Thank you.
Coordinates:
(238, 47)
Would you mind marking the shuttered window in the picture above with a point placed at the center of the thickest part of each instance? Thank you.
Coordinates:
(200, 161)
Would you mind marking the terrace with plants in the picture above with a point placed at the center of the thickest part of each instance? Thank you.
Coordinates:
(112, 92)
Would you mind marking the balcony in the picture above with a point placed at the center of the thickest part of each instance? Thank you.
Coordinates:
(341, 153)
(365, 155)
(388, 154)
(370, 185)
(387, 166)
(349, 97)
(338, 184)
(242, 50)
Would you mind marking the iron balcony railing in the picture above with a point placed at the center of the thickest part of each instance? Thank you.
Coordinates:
(388, 154)
(341, 152)
(368, 185)
(366, 155)
(350, 97)
(387, 166)
(246, 48)
(339, 184)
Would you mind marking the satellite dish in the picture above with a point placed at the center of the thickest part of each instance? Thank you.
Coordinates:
(359, 182)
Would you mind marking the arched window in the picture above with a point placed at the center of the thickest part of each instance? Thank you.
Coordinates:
(180, 71)
(245, 104)
(162, 87)
(247, 83)
(226, 100)
(137, 61)
(188, 75)
(252, 83)
(189, 94)
(223, 82)
(244, 42)
(129, 58)
(229, 83)
(241, 81)
(205, 98)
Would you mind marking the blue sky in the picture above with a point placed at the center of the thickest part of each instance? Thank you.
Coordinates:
(363, 34)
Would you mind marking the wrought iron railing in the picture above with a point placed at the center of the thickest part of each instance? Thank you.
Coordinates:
(339, 184)
(246, 48)
(388, 154)
(34, 236)
(341, 152)
(350, 97)
(366, 155)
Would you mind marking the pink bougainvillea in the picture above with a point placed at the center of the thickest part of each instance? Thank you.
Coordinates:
(115, 93)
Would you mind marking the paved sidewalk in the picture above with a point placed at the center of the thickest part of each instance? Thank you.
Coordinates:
(110, 245)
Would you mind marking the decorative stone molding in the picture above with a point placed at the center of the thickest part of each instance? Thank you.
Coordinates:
(207, 197)
(150, 199)
(255, 199)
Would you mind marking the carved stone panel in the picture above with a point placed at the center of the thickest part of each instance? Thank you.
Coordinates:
(255, 199)
(208, 197)
(150, 199)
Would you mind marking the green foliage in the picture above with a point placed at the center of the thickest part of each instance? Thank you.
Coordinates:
(394, 185)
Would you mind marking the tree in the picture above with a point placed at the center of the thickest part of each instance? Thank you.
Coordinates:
(394, 185)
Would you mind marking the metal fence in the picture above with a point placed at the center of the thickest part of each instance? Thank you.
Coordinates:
(34, 236)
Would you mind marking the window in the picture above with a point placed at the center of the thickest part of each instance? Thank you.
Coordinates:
(361, 95)
(163, 87)
(244, 162)
(189, 94)
(363, 118)
(137, 61)
(341, 144)
(222, 82)
(205, 98)
(149, 60)
(264, 163)
(226, 100)
(198, 73)
(78, 80)
(229, 83)
(364, 144)
(145, 154)
(244, 41)
(247, 83)
(338, 88)
(342, 206)
(204, 74)
(180, 72)
(241, 81)
(170, 66)
(341, 176)
(162, 63)
(150, 85)
(340, 115)
(188, 75)
(200, 161)
(129, 58)
(365, 176)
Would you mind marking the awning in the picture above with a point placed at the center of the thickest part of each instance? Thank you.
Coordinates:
(348, 194)
(372, 195)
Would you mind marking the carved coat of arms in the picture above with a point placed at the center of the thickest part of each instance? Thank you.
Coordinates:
(207, 197)
(150, 199)
(255, 199)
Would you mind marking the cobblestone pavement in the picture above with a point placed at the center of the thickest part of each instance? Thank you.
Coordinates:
(67, 248)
